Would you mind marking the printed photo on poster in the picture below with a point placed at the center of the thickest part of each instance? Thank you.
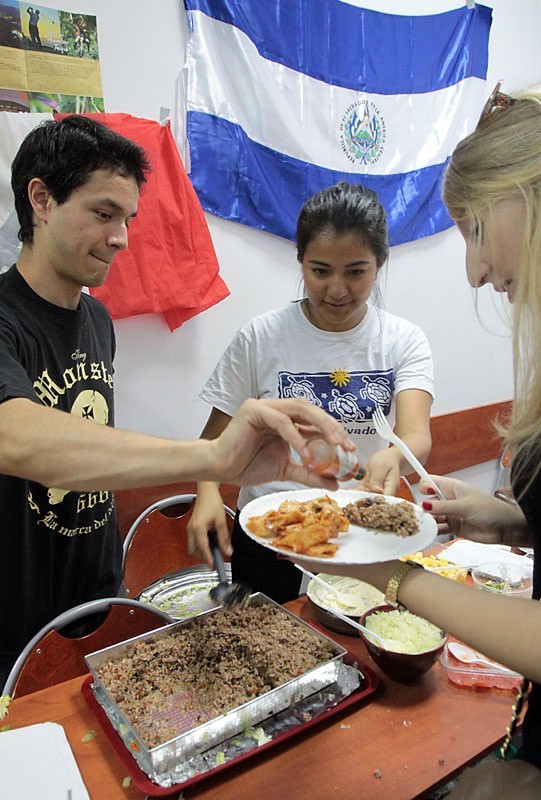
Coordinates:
(37, 43)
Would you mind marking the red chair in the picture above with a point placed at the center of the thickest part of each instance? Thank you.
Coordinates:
(50, 657)
(157, 542)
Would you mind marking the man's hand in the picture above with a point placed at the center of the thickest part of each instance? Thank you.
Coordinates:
(255, 446)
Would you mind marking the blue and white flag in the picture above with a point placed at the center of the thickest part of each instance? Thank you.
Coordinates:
(286, 97)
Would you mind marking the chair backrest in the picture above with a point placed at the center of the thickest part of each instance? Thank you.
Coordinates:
(129, 503)
(157, 542)
(50, 658)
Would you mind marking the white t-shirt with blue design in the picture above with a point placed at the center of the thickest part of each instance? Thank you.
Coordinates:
(280, 354)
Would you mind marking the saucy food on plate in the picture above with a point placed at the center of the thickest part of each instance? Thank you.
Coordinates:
(302, 527)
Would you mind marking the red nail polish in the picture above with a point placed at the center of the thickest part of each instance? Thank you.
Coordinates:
(427, 506)
(431, 490)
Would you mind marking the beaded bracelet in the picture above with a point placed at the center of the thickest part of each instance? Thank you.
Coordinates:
(391, 592)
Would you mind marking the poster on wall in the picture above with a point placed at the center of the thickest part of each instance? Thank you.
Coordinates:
(49, 60)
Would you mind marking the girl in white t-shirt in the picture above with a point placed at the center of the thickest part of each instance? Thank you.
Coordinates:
(333, 348)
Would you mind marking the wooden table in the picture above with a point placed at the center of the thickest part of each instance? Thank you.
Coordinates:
(403, 743)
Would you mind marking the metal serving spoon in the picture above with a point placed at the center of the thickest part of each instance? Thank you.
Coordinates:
(228, 595)
(468, 656)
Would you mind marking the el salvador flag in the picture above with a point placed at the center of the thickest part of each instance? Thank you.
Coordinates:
(286, 97)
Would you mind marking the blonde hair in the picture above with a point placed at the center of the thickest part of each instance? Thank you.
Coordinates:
(501, 160)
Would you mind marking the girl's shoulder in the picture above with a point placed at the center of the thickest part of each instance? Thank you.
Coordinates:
(274, 319)
(392, 323)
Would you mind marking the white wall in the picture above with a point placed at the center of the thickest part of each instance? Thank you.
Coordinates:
(159, 374)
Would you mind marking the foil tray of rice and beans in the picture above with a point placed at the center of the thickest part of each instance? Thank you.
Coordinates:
(191, 698)
(347, 526)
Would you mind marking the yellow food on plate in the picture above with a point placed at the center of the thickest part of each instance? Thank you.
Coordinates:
(440, 565)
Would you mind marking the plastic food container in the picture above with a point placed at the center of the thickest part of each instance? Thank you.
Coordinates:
(440, 565)
(501, 578)
(477, 675)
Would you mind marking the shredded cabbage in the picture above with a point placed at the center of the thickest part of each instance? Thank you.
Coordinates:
(404, 632)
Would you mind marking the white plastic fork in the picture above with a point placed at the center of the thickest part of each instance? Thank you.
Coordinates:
(385, 430)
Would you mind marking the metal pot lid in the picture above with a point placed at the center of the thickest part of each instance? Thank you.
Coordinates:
(184, 593)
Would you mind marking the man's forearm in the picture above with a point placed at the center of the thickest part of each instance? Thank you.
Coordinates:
(57, 449)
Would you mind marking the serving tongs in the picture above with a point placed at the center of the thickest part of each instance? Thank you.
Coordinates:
(228, 595)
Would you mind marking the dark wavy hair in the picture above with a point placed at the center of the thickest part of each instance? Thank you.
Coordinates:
(344, 208)
(63, 155)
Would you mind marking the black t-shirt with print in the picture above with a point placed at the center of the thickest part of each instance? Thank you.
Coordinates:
(57, 548)
(530, 504)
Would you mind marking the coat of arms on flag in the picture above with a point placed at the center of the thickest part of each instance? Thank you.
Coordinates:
(286, 97)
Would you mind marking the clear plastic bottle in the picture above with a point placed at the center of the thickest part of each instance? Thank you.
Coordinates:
(333, 461)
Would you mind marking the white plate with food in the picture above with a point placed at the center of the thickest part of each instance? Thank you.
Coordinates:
(290, 523)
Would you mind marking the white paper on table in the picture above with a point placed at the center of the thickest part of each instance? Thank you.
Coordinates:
(37, 761)
(468, 553)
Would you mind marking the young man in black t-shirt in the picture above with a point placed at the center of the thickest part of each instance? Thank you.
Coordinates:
(76, 187)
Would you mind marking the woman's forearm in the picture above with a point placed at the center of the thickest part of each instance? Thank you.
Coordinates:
(505, 629)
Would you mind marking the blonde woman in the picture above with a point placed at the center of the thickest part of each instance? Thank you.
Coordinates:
(493, 191)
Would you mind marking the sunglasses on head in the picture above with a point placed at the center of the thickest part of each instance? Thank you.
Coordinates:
(498, 101)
